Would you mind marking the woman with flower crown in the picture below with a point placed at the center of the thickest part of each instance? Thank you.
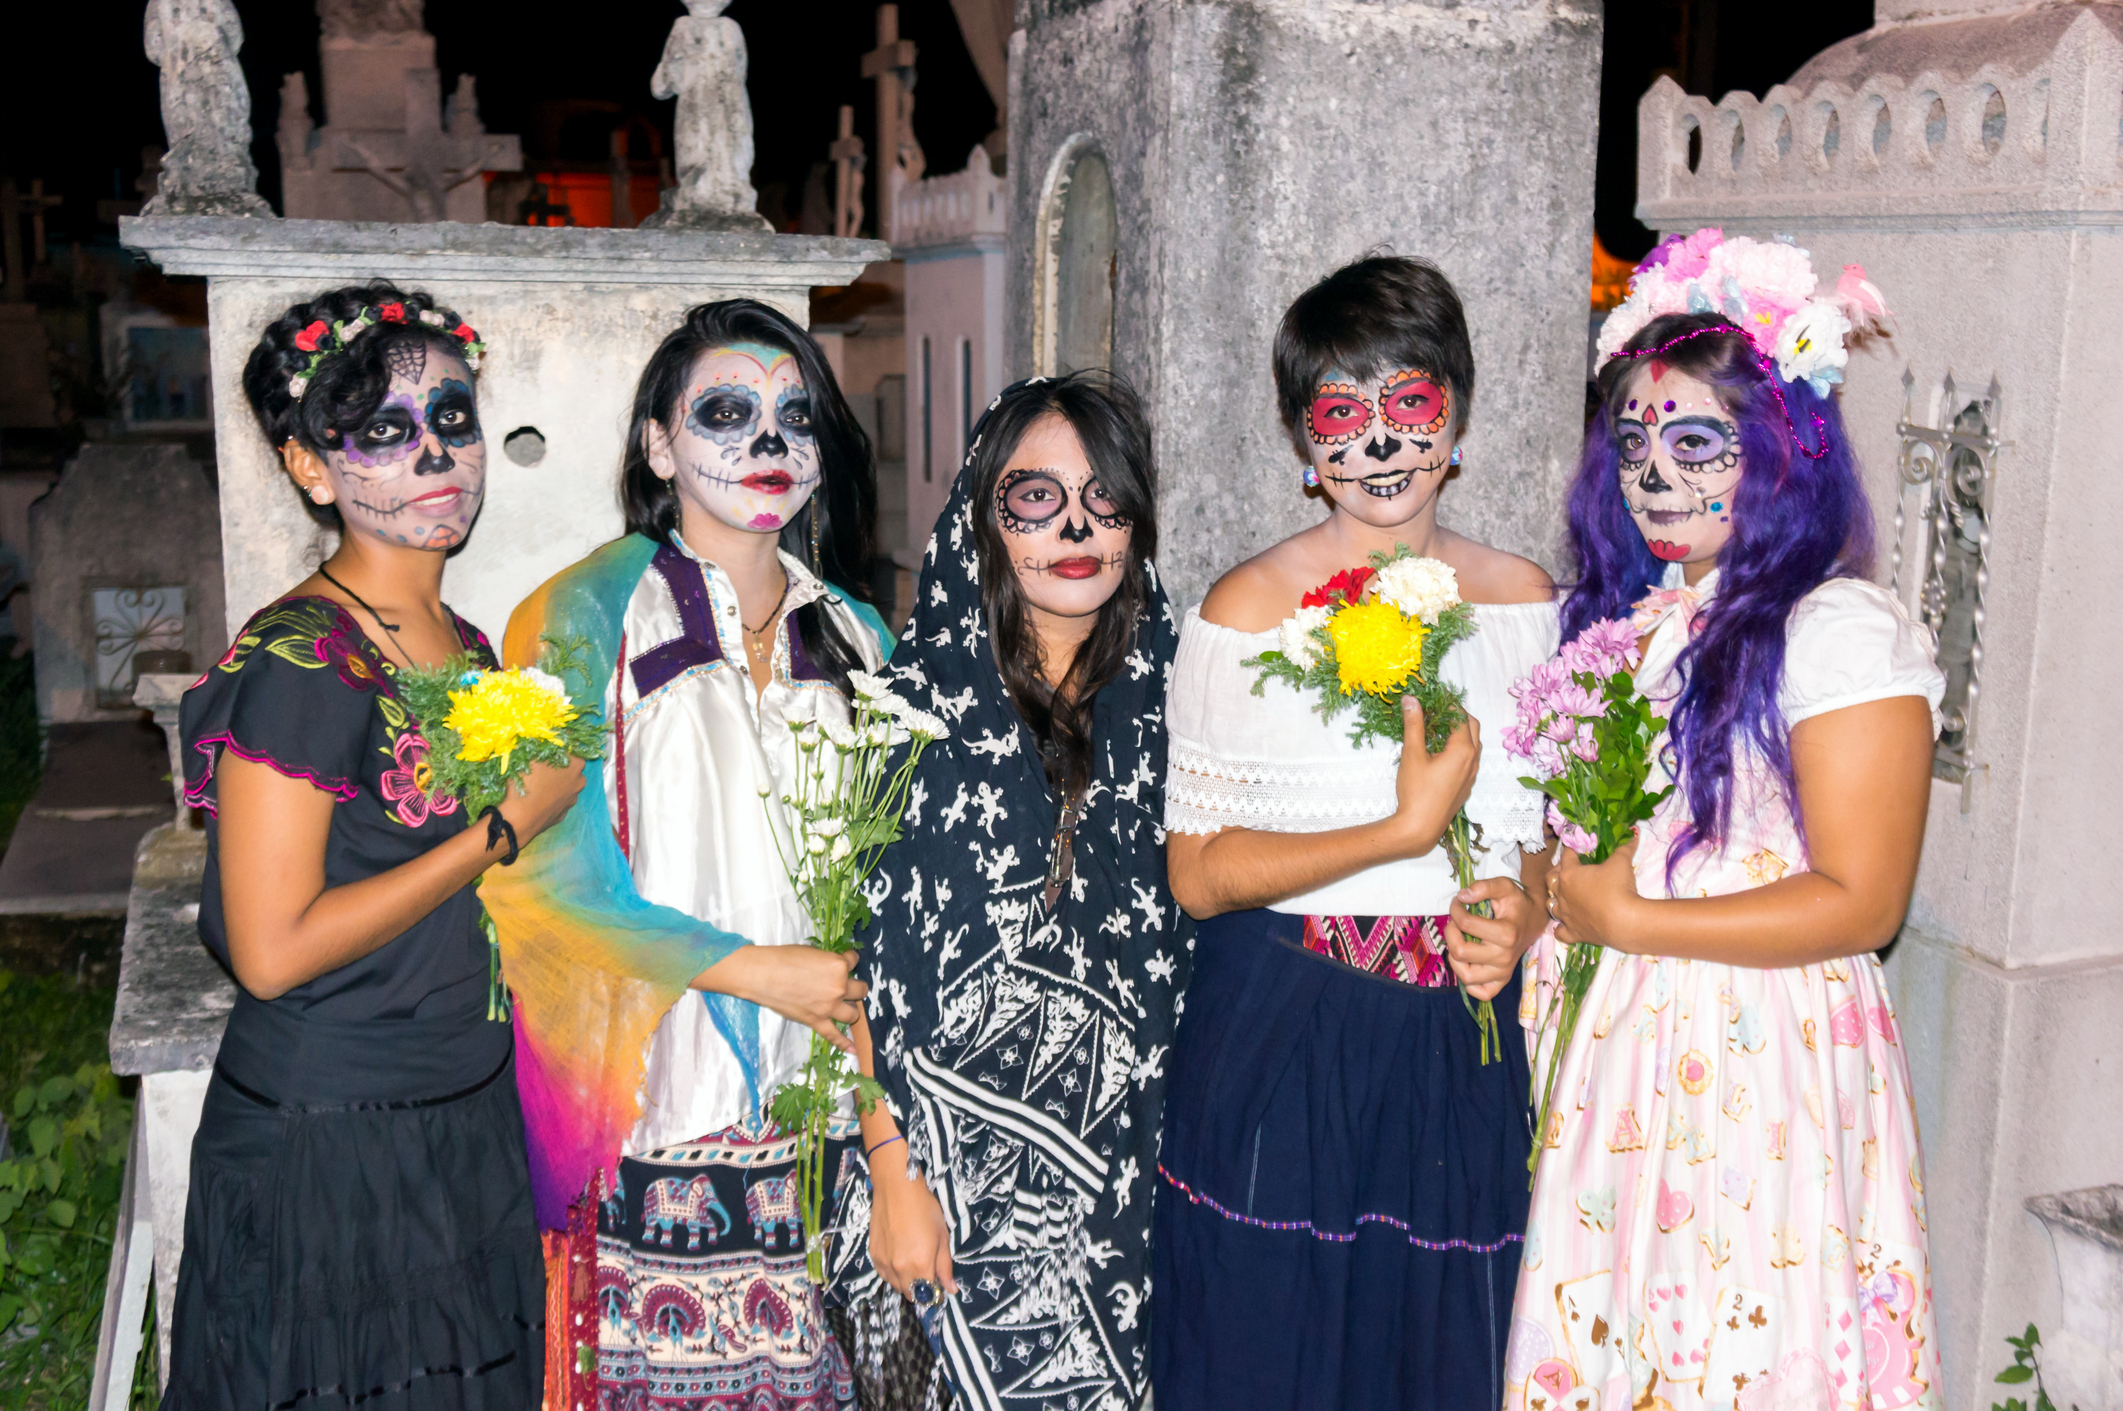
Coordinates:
(1342, 1181)
(654, 943)
(359, 1227)
(1729, 1208)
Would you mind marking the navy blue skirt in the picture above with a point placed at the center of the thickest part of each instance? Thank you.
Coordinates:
(1343, 1186)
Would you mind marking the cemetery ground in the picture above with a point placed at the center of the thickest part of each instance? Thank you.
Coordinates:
(67, 1120)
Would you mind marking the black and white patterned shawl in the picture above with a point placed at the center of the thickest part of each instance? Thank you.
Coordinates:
(1024, 1051)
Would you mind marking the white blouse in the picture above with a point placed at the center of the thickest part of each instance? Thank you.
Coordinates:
(1269, 762)
(701, 748)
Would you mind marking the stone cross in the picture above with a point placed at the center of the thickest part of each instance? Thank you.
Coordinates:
(900, 159)
(435, 161)
(13, 207)
(848, 163)
(703, 67)
(206, 111)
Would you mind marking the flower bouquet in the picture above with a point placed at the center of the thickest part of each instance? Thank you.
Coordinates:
(1588, 730)
(844, 808)
(485, 729)
(1368, 637)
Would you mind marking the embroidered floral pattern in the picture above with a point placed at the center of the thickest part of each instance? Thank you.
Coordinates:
(411, 785)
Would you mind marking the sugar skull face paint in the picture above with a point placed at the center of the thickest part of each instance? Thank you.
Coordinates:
(1379, 445)
(1680, 465)
(746, 449)
(414, 473)
(1066, 539)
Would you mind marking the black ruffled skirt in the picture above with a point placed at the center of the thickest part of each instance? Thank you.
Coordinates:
(359, 1230)
(1342, 1187)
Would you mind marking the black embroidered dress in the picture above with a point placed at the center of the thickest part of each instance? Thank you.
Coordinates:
(359, 1229)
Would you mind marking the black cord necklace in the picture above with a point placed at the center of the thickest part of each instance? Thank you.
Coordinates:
(390, 627)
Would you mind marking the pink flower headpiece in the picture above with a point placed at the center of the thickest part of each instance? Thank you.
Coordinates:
(1765, 287)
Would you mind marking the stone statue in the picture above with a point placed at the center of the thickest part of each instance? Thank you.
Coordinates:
(365, 19)
(206, 111)
(703, 67)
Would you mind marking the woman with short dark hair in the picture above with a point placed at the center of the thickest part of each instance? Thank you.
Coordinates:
(1342, 1185)
(656, 948)
(1026, 960)
(359, 1227)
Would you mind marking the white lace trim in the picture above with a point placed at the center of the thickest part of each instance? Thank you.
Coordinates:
(1205, 792)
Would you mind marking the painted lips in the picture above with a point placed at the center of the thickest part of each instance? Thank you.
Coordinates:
(438, 502)
(1075, 568)
(1668, 550)
(768, 482)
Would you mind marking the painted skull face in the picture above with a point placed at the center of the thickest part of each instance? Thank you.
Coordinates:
(1680, 463)
(1066, 539)
(415, 472)
(1379, 445)
(747, 450)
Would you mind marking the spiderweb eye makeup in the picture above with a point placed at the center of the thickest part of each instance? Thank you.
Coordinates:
(1413, 401)
(1340, 413)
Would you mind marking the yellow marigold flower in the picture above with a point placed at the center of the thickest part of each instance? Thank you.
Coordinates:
(502, 710)
(1376, 647)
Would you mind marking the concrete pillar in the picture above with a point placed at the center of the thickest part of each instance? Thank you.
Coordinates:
(1970, 164)
(1251, 146)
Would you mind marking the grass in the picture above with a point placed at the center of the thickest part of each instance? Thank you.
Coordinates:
(69, 1128)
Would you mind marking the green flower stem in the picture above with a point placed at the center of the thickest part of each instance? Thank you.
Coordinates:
(1461, 844)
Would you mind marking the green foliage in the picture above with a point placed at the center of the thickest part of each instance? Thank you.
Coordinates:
(480, 784)
(70, 1127)
(1378, 715)
(2026, 1367)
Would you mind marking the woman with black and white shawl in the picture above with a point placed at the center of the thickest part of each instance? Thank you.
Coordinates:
(1026, 960)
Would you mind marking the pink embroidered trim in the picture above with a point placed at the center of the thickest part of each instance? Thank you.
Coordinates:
(1197, 1198)
(197, 797)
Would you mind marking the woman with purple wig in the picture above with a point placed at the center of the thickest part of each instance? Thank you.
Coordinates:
(1729, 1211)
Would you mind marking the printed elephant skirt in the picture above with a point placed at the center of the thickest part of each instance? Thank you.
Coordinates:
(702, 1297)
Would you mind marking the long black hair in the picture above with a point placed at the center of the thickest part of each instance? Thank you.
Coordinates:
(348, 386)
(841, 515)
(1108, 419)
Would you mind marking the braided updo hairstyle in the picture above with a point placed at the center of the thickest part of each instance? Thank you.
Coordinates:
(348, 386)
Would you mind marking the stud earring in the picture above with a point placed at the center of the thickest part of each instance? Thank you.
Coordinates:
(316, 494)
(1311, 478)
(1455, 455)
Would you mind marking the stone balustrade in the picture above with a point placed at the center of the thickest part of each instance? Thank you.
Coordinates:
(939, 210)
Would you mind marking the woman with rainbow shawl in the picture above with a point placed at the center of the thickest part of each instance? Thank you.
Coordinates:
(653, 943)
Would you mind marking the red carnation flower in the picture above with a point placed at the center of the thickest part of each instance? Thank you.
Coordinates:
(463, 332)
(392, 313)
(310, 337)
(1344, 587)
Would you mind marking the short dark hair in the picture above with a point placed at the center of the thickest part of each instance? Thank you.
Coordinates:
(1381, 313)
(348, 386)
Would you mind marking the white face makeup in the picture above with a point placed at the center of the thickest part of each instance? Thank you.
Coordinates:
(1065, 539)
(746, 449)
(414, 473)
(1680, 463)
(1380, 446)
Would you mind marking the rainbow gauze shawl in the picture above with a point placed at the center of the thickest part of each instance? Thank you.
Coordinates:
(591, 966)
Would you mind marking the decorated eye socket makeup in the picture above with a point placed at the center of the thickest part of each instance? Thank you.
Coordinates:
(452, 414)
(726, 413)
(1026, 500)
(1698, 440)
(1414, 402)
(1340, 414)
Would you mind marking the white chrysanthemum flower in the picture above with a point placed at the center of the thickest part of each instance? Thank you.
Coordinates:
(920, 722)
(827, 827)
(869, 687)
(1422, 588)
(841, 848)
(814, 845)
(545, 680)
(1812, 345)
(842, 736)
(1298, 643)
(879, 734)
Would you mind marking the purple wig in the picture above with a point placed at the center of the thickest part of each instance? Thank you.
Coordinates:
(1797, 522)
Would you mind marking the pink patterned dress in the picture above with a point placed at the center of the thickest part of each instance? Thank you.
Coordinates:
(1729, 1212)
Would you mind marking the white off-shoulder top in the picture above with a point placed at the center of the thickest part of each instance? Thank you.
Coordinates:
(1268, 762)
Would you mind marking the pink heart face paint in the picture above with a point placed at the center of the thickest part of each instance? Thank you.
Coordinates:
(1380, 445)
(414, 473)
(1680, 464)
(1067, 540)
(746, 451)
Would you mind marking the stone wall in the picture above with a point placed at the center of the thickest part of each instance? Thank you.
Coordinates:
(1255, 145)
(123, 516)
(569, 317)
(1971, 166)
